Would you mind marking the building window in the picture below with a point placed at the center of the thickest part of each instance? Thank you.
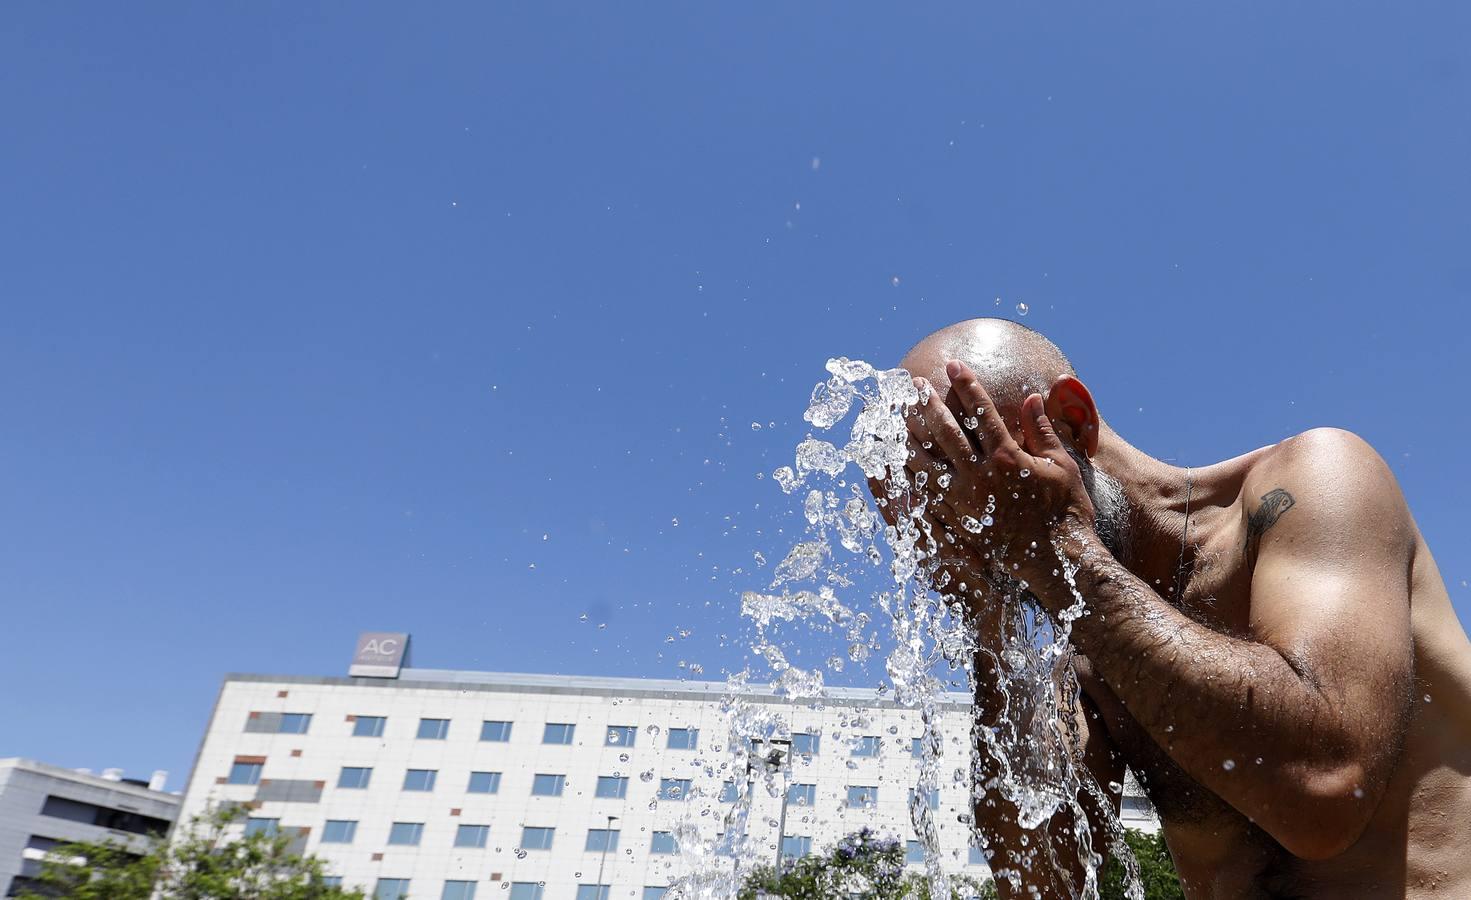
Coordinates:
(267, 827)
(295, 723)
(916, 747)
(420, 779)
(368, 726)
(663, 842)
(433, 729)
(339, 831)
(354, 777)
(729, 792)
(391, 889)
(620, 735)
(278, 723)
(863, 796)
(332, 880)
(794, 846)
(674, 789)
(931, 798)
(557, 733)
(977, 857)
(684, 738)
(600, 839)
(593, 891)
(802, 795)
(913, 852)
(655, 893)
(868, 745)
(406, 834)
(537, 838)
(472, 835)
(804, 744)
(543, 785)
(495, 730)
(484, 783)
(525, 890)
(245, 773)
(458, 890)
(612, 787)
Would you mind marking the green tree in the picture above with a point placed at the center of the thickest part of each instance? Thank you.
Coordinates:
(206, 862)
(1156, 870)
(861, 865)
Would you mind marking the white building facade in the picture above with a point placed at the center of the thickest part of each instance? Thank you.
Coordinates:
(43, 806)
(448, 785)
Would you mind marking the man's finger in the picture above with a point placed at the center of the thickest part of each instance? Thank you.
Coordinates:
(922, 460)
(976, 402)
(1042, 439)
(943, 427)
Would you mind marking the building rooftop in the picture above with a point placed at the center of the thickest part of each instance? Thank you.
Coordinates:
(106, 782)
(649, 688)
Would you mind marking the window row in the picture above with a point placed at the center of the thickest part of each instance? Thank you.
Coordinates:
(493, 730)
(470, 836)
(612, 787)
(398, 889)
(543, 784)
(808, 744)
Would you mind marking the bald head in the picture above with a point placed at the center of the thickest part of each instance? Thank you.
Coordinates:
(1011, 360)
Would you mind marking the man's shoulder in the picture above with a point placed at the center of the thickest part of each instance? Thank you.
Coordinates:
(1338, 475)
(1318, 453)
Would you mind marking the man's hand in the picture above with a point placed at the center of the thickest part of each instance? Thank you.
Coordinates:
(1007, 500)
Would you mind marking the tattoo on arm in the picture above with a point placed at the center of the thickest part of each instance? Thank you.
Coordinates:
(1274, 503)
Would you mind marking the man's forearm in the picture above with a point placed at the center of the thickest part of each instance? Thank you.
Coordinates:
(1236, 715)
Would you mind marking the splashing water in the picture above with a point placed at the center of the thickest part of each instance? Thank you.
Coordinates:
(1025, 738)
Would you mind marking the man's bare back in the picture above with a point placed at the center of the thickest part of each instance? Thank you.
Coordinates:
(1269, 645)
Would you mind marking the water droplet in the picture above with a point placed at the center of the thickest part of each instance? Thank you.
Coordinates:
(1025, 472)
(755, 426)
(894, 281)
(1229, 764)
(1022, 309)
(1427, 698)
(674, 522)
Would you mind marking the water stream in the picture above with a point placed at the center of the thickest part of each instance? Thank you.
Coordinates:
(820, 597)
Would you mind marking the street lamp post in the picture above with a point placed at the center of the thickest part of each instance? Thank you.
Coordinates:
(780, 759)
(607, 839)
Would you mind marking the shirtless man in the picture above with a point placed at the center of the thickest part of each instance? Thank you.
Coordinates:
(1268, 646)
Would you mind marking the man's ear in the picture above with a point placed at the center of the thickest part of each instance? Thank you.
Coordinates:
(1073, 415)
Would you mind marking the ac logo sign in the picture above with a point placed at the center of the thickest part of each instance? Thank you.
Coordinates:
(379, 654)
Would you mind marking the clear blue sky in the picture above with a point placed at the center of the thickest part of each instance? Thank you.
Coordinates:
(317, 318)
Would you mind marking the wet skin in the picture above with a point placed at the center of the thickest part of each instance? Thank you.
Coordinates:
(1283, 669)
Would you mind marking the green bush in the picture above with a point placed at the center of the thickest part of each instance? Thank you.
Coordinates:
(204, 863)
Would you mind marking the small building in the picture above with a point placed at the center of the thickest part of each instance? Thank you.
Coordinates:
(42, 806)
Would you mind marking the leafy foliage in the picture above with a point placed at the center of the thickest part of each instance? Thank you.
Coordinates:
(1156, 870)
(866, 866)
(861, 865)
(205, 863)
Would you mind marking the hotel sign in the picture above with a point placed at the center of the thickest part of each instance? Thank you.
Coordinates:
(379, 654)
